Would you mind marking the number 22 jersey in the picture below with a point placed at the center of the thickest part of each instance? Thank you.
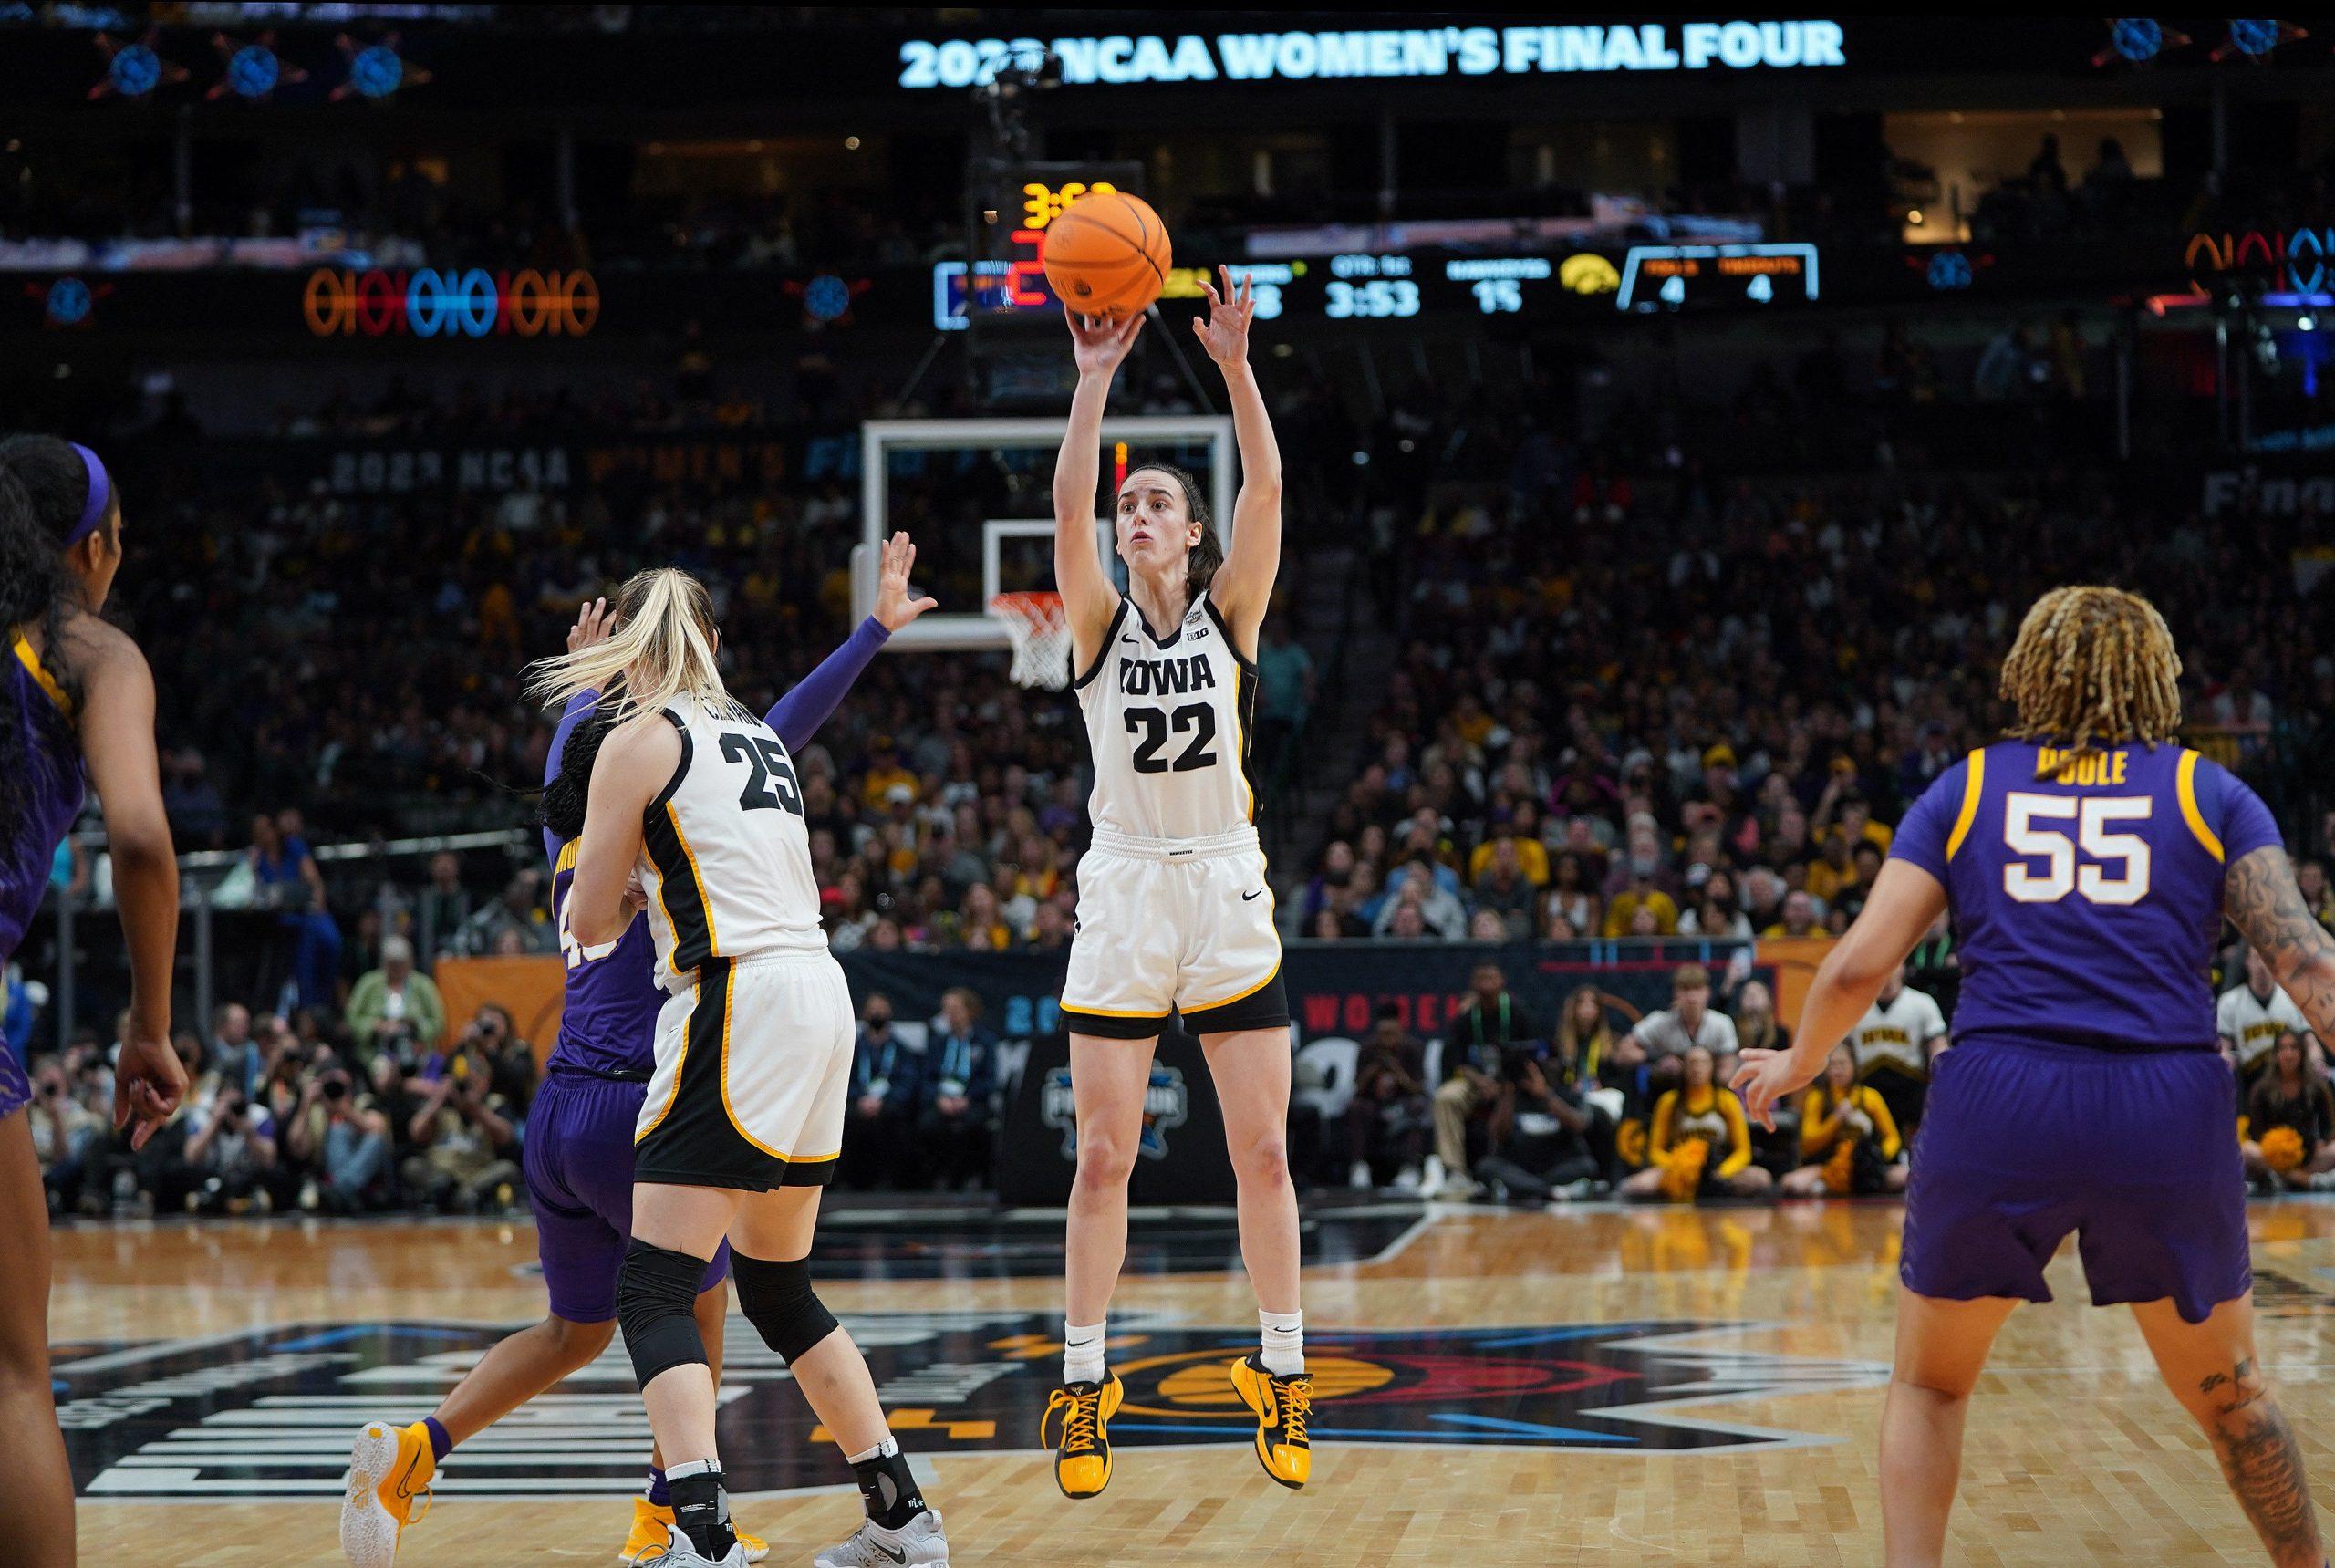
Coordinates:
(2086, 889)
(1169, 720)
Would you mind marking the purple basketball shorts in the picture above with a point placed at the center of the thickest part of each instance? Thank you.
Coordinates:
(2135, 1152)
(580, 1183)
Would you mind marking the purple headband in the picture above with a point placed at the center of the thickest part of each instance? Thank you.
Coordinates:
(93, 511)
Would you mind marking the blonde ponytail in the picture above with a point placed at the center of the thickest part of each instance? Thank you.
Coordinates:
(662, 648)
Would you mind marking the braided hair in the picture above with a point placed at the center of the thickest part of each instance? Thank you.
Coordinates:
(44, 487)
(2093, 665)
(568, 794)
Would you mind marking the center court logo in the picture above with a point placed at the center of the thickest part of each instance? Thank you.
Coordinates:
(271, 1412)
(1166, 1103)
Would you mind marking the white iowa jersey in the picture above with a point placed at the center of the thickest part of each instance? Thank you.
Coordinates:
(1169, 720)
(725, 856)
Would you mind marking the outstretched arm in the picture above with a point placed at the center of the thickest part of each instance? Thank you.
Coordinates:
(1244, 583)
(118, 744)
(2263, 902)
(798, 715)
(1088, 599)
(1905, 900)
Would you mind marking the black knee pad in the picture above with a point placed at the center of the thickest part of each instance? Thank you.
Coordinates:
(777, 1299)
(656, 1305)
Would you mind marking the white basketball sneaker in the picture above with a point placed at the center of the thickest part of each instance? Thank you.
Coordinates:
(918, 1543)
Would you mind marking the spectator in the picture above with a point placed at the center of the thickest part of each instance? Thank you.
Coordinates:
(396, 1008)
(1703, 1110)
(887, 1097)
(1896, 1042)
(233, 1154)
(307, 955)
(1503, 890)
(467, 1145)
(2291, 1097)
(68, 1138)
(1799, 916)
(444, 906)
(1489, 1023)
(1387, 1120)
(518, 912)
(1661, 1040)
(1420, 909)
(956, 1123)
(1285, 693)
(240, 1060)
(1714, 912)
(1848, 1141)
(2251, 1017)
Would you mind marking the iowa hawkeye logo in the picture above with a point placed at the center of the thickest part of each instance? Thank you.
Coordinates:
(270, 1414)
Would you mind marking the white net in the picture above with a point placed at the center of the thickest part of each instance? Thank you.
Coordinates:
(1041, 637)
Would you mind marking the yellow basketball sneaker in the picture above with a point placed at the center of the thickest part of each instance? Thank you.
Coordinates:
(386, 1489)
(1283, 1407)
(652, 1527)
(1083, 1449)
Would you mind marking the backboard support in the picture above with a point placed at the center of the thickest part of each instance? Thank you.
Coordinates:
(957, 625)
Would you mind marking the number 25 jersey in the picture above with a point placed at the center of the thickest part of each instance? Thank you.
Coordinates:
(725, 853)
(2086, 890)
(1168, 721)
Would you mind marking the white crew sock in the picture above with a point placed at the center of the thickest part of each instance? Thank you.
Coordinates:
(1082, 1351)
(1284, 1341)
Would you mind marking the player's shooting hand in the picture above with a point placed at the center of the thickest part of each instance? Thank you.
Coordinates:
(1099, 343)
(593, 623)
(148, 1080)
(1224, 330)
(895, 606)
(1765, 1077)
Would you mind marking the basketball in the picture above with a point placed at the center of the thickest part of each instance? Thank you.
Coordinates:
(1108, 255)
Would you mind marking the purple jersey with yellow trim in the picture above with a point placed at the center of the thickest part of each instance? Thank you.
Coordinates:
(607, 1021)
(31, 700)
(2087, 890)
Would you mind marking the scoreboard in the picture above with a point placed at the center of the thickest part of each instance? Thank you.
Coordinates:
(1398, 286)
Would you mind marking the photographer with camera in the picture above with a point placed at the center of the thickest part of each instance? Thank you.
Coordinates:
(467, 1148)
(67, 1136)
(1546, 1141)
(233, 1155)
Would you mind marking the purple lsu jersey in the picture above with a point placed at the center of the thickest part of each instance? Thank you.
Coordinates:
(608, 1019)
(2086, 890)
(31, 700)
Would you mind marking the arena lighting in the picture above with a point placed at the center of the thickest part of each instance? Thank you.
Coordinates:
(2253, 39)
(134, 69)
(2137, 40)
(254, 71)
(375, 71)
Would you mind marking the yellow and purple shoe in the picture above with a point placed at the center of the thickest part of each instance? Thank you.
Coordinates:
(1083, 1446)
(386, 1488)
(1283, 1407)
(652, 1527)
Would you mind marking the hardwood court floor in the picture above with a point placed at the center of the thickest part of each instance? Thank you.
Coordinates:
(1652, 1386)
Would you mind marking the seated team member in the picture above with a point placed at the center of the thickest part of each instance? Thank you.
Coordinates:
(1488, 1023)
(1701, 1108)
(1660, 1041)
(960, 1061)
(1837, 1110)
(1895, 1043)
(2289, 1098)
(2252, 1016)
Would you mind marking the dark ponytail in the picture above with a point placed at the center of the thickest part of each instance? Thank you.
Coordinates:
(1209, 554)
(569, 793)
(43, 488)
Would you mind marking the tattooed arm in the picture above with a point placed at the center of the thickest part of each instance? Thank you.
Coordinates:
(2266, 905)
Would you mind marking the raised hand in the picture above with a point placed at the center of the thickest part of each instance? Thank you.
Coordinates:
(894, 606)
(1224, 330)
(1098, 343)
(593, 623)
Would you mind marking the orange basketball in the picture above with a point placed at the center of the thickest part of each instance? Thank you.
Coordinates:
(1108, 255)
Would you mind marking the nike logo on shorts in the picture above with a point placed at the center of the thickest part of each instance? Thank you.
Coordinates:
(1258, 894)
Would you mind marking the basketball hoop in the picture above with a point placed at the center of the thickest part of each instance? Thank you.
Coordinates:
(1041, 635)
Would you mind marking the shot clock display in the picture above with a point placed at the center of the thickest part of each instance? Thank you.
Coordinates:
(1402, 285)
